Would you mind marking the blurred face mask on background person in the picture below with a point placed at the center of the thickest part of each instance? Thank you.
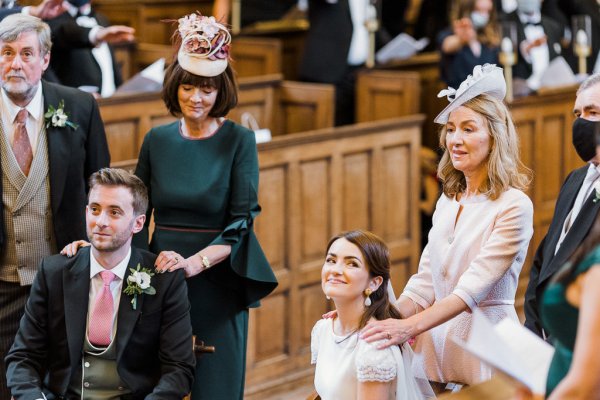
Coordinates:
(479, 19)
(529, 6)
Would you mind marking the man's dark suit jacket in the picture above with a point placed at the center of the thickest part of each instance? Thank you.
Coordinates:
(545, 262)
(553, 31)
(153, 343)
(5, 12)
(72, 60)
(327, 44)
(74, 154)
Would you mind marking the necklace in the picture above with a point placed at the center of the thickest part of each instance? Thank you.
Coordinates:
(354, 332)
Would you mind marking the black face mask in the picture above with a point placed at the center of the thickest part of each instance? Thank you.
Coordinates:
(585, 134)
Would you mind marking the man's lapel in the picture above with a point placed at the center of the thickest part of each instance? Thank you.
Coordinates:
(562, 209)
(58, 149)
(128, 317)
(76, 284)
(579, 229)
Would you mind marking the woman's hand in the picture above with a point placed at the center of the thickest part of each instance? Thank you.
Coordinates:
(396, 331)
(71, 249)
(169, 261)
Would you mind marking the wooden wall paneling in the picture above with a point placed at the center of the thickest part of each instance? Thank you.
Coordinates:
(254, 56)
(305, 107)
(145, 54)
(382, 94)
(259, 96)
(127, 119)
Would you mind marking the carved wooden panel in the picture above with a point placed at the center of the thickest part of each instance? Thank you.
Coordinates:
(382, 94)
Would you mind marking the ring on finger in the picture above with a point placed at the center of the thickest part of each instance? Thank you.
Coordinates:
(388, 335)
(176, 260)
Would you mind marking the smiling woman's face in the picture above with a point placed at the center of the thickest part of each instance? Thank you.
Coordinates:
(468, 141)
(344, 274)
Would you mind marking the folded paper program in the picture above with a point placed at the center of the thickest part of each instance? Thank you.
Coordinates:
(401, 47)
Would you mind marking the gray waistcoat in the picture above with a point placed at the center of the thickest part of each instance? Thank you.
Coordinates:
(27, 213)
(99, 379)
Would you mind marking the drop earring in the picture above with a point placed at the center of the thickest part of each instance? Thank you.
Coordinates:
(368, 298)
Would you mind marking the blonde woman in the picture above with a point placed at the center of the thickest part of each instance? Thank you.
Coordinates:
(477, 245)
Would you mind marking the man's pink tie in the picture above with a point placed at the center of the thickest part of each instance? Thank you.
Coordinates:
(101, 322)
(21, 144)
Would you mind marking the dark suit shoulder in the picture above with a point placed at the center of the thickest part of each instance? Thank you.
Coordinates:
(66, 92)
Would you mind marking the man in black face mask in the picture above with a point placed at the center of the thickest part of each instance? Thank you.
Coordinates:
(575, 209)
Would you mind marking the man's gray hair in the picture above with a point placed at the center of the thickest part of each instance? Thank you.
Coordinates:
(13, 25)
(592, 80)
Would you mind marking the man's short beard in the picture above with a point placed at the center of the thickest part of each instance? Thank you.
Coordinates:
(20, 96)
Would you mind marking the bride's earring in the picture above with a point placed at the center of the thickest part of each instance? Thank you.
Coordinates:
(368, 298)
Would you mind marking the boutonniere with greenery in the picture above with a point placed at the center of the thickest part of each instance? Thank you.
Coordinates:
(139, 282)
(597, 191)
(57, 117)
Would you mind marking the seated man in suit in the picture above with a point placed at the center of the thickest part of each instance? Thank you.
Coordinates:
(101, 325)
(576, 206)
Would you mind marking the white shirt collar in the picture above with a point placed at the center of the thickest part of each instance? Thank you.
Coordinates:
(534, 18)
(118, 270)
(35, 106)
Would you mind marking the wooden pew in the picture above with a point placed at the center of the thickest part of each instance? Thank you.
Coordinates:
(281, 106)
(382, 94)
(427, 66)
(313, 185)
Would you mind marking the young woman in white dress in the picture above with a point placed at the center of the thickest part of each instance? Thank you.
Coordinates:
(355, 276)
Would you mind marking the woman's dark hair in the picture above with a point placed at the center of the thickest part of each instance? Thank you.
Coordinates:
(377, 260)
(224, 83)
(566, 274)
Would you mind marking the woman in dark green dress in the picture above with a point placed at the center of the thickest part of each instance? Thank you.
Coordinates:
(570, 312)
(202, 176)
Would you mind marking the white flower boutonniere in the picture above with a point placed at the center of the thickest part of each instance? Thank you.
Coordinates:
(57, 117)
(597, 191)
(139, 282)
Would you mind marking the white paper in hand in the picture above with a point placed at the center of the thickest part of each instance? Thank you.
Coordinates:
(511, 348)
(401, 47)
(558, 73)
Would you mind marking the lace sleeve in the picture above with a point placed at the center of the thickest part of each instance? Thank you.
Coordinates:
(315, 338)
(373, 364)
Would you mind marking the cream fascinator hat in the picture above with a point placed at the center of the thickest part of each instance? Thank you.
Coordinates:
(205, 44)
(487, 78)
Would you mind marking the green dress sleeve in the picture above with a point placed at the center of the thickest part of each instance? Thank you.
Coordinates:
(247, 258)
